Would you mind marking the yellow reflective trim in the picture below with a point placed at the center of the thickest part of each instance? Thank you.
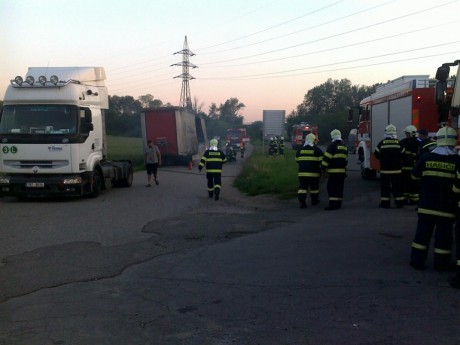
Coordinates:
(302, 191)
(306, 174)
(335, 171)
(340, 155)
(305, 158)
(456, 189)
(335, 199)
(438, 174)
(441, 251)
(436, 213)
(390, 171)
(214, 170)
(419, 246)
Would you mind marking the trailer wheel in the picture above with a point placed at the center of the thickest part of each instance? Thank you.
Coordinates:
(96, 186)
(128, 180)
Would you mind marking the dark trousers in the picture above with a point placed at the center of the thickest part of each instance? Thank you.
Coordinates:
(409, 187)
(391, 183)
(442, 241)
(335, 184)
(214, 183)
(305, 184)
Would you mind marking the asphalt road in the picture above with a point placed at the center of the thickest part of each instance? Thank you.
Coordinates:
(168, 265)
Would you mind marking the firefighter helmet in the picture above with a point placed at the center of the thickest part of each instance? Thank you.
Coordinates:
(411, 129)
(311, 138)
(446, 136)
(335, 134)
(213, 142)
(390, 129)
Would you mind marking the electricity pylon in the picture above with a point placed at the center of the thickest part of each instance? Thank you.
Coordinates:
(185, 98)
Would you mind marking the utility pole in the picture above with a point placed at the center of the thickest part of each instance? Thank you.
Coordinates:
(185, 98)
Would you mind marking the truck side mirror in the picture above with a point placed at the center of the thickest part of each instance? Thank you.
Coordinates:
(440, 92)
(350, 115)
(442, 74)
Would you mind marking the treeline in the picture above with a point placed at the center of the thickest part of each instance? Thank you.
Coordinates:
(328, 105)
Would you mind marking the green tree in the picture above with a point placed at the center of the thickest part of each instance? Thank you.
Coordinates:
(229, 112)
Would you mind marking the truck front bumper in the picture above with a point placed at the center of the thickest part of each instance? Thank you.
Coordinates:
(43, 185)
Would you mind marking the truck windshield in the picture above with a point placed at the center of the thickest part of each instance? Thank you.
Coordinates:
(39, 119)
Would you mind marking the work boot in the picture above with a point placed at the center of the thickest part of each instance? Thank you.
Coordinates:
(216, 195)
(302, 204)
(455, 281)
(211, 194)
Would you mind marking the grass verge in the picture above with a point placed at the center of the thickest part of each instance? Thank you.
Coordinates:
(263, 174)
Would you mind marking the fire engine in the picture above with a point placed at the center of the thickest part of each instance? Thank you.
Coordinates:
(300, 131)
(408, 100)
(236, 137)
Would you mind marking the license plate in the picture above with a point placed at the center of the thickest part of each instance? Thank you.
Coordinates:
(35, 184)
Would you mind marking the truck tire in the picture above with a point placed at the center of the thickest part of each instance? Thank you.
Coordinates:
(128, 180)
(96, 185)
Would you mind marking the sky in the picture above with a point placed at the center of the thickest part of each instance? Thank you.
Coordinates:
(266, 53)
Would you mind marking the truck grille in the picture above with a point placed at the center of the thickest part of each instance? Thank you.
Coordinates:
(30, 164)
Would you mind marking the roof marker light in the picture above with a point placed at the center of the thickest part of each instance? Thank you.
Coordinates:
(30, 80)
(18, 80)
(42, 79)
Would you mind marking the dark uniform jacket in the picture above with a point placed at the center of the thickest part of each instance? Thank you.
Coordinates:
(336, 158)
(411, 146)
(309, 160)
(437, 174)
(390, 154)
(213, 161)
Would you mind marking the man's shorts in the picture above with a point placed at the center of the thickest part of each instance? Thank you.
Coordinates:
(152, 168)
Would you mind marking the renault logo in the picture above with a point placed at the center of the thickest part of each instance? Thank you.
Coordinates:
(35, 169)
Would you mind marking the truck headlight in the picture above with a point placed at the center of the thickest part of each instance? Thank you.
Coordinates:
(4, 180)
(72, 180)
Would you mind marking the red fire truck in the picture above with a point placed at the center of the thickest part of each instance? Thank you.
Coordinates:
(300, 131)
(408, 100)
(236, 136)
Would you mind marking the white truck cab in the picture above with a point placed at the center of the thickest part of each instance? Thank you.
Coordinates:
(52, 135)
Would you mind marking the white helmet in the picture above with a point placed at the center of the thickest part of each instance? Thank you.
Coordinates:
(446, 136)
(310, 138)
(213, 142)
(390, 129)
(411, 129)
(335, 134)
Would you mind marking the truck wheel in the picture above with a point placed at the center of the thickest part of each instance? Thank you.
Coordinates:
(96, 185)
(128, 180)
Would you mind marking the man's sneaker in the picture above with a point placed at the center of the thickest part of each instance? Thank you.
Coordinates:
(156, 182)
(149, 185)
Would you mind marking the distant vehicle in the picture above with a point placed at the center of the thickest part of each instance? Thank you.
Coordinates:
(408, 100)
(52, 135)
(180, 135)
(236, 137)
(300, 131)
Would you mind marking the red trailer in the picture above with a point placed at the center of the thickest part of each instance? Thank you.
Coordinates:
(180, 135)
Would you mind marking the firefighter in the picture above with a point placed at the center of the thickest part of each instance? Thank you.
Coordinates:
(309, 158)
(411, 145)
(426, 144)
(213, 159)
(390, 154)
(335, 162)
(437, 207)
(281, 146)
(242, 148)
(271, 147)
